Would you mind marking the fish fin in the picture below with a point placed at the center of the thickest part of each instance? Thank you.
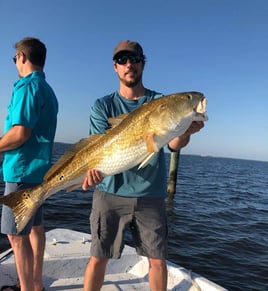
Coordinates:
(87, 140)
(70, 153)
(151, 148)
(114, 121)
(22, 206)
(151, 144)
(146, 160)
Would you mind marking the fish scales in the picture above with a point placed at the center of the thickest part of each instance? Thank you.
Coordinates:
(133, 140)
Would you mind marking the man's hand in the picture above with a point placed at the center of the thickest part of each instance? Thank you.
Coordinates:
(194, 127)
(93, 177)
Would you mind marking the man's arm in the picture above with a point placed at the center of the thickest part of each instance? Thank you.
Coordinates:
(14, 137)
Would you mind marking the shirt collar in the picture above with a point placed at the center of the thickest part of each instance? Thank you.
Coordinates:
(38, 74)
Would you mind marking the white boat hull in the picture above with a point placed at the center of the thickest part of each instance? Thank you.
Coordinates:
(67, 253)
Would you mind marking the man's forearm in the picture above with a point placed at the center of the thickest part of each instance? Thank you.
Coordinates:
(14, 138)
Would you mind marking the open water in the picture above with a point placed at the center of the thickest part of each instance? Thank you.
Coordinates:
(218, 219)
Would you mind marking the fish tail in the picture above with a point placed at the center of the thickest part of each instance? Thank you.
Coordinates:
(22, 206)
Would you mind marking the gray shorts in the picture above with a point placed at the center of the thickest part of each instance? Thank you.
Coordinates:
(147, 220)
(8, 225)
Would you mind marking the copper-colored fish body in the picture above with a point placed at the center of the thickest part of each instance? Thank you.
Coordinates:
(133, 140)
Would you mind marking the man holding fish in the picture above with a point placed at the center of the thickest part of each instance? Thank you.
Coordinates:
(135, 197)
(27, 145)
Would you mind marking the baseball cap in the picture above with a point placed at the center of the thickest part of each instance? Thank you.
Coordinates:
(129, 46)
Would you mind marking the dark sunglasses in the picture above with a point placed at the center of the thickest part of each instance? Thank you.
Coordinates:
(133, 59)
(15, 58)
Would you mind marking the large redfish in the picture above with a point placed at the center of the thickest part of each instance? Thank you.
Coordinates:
(133, 140)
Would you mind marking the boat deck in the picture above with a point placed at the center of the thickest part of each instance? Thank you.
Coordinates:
(67, 253)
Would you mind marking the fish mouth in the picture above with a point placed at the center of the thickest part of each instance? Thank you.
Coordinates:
(200, 110)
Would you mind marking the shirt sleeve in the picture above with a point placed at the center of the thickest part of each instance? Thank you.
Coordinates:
(98, 121)
(25, 109)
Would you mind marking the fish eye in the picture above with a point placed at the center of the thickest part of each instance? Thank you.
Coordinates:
(189, 96)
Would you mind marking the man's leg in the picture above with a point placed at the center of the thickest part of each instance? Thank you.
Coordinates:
(149, 229)
(37, 240)
(28, 246)
(157, 274)
(23, 259)
(94, 274)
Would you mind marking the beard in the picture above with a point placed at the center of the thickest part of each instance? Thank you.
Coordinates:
(133, 82)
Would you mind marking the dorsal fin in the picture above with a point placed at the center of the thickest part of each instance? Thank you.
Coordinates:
(70, 153)
(114, 121)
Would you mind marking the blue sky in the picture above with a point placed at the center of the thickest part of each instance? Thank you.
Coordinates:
(218, 47)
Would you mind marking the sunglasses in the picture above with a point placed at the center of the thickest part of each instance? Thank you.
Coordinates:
(133, 59)
(15, 58)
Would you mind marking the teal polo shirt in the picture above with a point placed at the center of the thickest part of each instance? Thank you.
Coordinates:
(33, 104)
(149, 181)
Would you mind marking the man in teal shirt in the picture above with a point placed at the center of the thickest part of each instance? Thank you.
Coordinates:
(134, 197)
(149, 181)
(27, 145)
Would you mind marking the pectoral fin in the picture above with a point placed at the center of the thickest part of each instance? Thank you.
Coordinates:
(151, 144)
(146, 161)
(152, 149)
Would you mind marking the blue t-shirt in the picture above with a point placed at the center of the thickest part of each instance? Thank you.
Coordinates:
(149, 181)
(34, 105)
